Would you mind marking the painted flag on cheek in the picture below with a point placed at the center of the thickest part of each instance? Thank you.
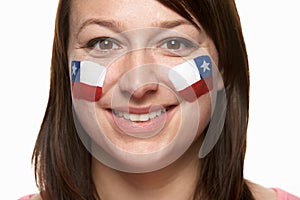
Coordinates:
(193, 78)
(87, 80)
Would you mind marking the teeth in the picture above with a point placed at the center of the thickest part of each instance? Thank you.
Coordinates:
(126, 115)
(139, 117)
(152, 115)
(134, 117)
(144, 117)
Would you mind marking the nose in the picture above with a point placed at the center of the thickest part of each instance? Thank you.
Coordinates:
(139, 78)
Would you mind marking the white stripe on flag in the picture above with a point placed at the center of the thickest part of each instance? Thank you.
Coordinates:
(92, 73)
(184, 75)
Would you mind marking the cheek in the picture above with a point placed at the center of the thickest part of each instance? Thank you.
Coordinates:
(205, 109)
(112, 77)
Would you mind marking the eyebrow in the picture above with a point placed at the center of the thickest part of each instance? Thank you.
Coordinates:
(171, 24)
(117, 26)
(111, 24)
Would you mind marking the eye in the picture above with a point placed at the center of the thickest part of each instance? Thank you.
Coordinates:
(103, 43)
(173, 44)
(177, 46)
(104, 47)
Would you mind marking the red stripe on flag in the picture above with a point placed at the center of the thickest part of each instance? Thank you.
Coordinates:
(197, 89)
(86, 92)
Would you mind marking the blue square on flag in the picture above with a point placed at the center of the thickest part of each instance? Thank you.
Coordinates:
(204, 65)
(75, 68)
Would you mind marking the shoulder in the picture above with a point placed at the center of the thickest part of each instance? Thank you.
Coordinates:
(261, 193)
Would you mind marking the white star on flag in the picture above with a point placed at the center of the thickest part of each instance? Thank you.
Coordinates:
(74, 68)
(205, 66)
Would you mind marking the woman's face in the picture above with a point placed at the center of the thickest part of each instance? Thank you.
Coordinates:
(140, 119)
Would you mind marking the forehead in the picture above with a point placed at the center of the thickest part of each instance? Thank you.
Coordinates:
(132, 13)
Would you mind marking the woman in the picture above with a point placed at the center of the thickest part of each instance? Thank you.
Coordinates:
(133, 131)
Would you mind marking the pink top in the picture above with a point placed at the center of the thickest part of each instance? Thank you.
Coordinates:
(26, 197)
(281, 195)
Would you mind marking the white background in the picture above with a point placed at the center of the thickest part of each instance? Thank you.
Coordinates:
(271, 30)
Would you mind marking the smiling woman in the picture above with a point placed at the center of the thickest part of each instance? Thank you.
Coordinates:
(145, 97)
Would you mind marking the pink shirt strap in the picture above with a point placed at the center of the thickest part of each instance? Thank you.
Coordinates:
(26, 197)
(283, 195)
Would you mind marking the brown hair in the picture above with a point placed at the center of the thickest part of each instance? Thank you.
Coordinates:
(62, 163)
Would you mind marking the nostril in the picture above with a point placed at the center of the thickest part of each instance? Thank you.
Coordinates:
(144, 90)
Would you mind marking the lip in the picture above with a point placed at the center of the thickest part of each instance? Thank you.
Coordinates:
(141, 110)
(139, 129)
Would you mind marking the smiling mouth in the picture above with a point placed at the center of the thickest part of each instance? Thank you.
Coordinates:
(139, 117)
(141, 122)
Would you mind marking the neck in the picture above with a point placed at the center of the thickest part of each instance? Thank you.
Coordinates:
(176, 181)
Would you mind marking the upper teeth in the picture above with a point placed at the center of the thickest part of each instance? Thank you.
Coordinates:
(139, 117)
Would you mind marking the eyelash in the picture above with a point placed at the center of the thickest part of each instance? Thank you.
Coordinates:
(183, 47)
(98, 41)
(183, 41)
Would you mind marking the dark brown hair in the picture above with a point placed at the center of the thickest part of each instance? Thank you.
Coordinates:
(62, 163)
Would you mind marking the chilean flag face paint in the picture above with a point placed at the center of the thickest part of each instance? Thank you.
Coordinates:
(87, 80)
(192, 78)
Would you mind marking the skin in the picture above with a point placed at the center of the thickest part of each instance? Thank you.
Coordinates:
(178, 180)
(128, 18)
